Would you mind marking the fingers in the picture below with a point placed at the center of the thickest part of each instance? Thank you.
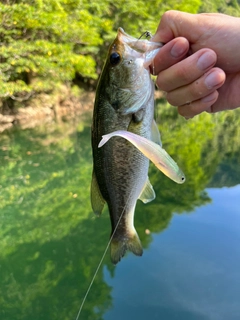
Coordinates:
(187, 70)
(192, 83)
(198, 89)
(196, 107)
(214, 31)
(190, 79)
(202, 94)
(229, 97)
(201, 100)
(170, 53)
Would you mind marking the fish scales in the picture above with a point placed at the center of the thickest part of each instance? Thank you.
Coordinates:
(124, 101)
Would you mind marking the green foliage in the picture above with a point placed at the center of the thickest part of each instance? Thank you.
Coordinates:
(223, 6)
(48, 42)
(135, 17)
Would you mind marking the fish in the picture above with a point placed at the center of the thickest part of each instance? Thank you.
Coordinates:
(124, 102)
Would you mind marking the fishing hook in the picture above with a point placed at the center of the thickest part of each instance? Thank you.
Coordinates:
(146, 33)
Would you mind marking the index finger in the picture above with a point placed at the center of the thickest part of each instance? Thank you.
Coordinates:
(171, 53)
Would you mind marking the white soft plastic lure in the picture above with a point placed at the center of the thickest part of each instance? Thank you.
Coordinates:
(152, 151)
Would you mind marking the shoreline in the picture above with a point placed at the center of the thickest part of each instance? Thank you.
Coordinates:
(45, 109)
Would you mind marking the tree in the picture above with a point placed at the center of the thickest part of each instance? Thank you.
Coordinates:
(45, 43)
(223, 6)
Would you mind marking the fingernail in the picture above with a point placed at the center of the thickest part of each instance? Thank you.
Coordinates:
(206, 60)
(177, 50)
(209, 98)
(212, 80)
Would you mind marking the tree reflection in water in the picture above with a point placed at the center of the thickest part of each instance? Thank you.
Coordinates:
(50, 241)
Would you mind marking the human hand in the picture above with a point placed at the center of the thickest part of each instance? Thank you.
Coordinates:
(199, 67)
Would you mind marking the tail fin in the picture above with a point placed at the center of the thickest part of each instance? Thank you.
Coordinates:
(120, 245)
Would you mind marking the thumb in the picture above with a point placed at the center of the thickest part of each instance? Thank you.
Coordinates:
(177, 24)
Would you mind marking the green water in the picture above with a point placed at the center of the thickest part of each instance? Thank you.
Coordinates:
(51, 243)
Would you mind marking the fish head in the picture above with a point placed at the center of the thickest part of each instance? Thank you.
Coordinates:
(128, 65)
(129, 54)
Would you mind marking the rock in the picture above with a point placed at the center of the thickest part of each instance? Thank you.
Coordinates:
(5, 126)
(6, 118)
(47, 108)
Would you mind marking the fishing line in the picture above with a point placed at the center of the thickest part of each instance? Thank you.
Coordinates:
(100, 263)
(147, 34)
(156, 108)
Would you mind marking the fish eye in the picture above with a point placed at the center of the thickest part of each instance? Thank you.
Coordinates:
(115, 58)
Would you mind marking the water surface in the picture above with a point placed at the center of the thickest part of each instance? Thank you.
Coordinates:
(51, 243)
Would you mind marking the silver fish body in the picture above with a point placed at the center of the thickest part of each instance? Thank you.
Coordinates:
(124, 101)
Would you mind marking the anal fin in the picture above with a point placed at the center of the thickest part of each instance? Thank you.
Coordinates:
(148, 193)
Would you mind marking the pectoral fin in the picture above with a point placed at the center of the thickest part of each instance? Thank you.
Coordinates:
(156, 137)
(152, 151)
(148, 193)
(97, 200)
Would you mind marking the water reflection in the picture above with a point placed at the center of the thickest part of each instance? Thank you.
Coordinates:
(50, 241)
(190, 272)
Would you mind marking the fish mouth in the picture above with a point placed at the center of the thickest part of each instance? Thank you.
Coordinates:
(139, 45)
(124, 37)
(145, 48)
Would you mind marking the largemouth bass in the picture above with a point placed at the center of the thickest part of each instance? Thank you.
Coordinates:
(124, 102)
